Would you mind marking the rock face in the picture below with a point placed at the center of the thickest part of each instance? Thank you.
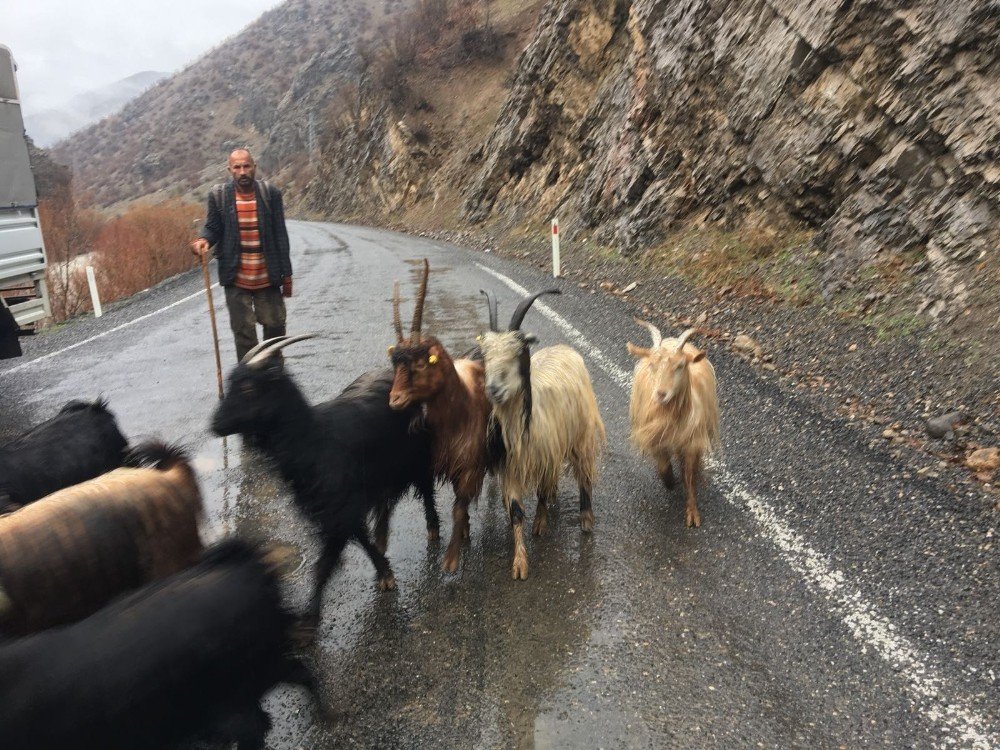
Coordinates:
(877, 123)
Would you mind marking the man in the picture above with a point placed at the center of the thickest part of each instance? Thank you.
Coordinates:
(246, 225)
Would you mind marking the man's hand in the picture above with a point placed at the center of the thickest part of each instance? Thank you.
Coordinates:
(286, 287)
(199, 247)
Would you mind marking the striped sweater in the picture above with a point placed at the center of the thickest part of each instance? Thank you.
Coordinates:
(251, 273)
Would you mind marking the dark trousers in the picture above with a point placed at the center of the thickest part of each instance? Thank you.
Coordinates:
(248, 308)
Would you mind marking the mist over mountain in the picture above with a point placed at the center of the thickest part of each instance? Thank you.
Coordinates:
(52, 125)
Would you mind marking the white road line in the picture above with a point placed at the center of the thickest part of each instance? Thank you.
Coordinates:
(927, 688)
(29, 363)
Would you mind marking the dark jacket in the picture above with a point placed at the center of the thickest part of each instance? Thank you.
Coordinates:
(222, 230)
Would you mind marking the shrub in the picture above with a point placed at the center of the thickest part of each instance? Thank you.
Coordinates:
(143, 246)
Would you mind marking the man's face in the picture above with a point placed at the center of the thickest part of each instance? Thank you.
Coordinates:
(242, 168)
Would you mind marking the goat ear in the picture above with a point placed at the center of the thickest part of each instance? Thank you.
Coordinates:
(637, 351)
(697, 357)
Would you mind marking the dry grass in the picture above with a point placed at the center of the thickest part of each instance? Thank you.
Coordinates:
(755, 262)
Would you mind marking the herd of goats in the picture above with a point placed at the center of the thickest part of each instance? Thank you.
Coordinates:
(119, 630)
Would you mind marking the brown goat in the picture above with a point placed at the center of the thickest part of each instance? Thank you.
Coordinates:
(674, 409)
(68, 554)
(456, 411)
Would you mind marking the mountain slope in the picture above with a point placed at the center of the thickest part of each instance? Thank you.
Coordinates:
(275, 75)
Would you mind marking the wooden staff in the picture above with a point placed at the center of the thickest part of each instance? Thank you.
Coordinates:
(211, 314)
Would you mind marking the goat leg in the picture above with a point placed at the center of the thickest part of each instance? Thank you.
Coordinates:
(459, 533)
(541, 523)
(426, 492)
(382, 513)
(386, 579)
(692, 461)
(586, 511)
(327, 562)
(666, 471)
(583, 479)
(519, 568)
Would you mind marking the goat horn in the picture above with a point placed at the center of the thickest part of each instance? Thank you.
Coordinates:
(418, 310)
(396, 321)
(262, 345)
(277, 344)
(522, 308)
(657, 336)
(683, 339)
(491, 304)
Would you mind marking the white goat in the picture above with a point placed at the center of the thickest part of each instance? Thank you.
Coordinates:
(545, 408)
(674, 409)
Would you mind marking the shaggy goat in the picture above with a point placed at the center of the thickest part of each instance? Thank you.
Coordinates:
(68, 554)
(81, 442)
(452, 394)
(346, 459)
(546, 411)
(674, 409)
(189, 657)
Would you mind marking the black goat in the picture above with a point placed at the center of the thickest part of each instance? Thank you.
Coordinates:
(187, 657)
(346, 459)
(81, 442)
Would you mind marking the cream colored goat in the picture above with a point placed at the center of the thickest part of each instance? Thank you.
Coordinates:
(547, 412)
(674, 409)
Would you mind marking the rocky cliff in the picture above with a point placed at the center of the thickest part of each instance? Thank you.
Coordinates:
(876, 123)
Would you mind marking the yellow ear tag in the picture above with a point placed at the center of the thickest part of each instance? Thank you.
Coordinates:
(389, 350)
(433, 359)
(479, 338)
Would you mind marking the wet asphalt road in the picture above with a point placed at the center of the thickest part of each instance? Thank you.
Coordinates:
(829, 599)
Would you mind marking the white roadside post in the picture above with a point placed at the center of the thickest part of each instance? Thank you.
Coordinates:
(556, 264)
(92, 281)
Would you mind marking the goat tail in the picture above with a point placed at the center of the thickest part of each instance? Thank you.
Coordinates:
(156, 454)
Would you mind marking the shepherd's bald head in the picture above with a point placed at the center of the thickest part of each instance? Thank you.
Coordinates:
(242, 168)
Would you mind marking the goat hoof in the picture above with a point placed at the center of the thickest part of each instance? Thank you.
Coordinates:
(539, 527)
(587, 520)
(433, 534)
(388, 583)
(693, 518)
(450, 564)
(519, 572)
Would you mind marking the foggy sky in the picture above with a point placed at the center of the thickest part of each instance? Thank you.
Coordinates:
(66, 48)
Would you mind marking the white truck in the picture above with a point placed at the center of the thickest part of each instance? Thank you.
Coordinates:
(24, 299)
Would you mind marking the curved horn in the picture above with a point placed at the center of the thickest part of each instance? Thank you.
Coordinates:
(283, 341)
(397, 322)
(522, 308)
(657, 336)
(262, 345)
(491, 304)
(418, 309)
(683, 339)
